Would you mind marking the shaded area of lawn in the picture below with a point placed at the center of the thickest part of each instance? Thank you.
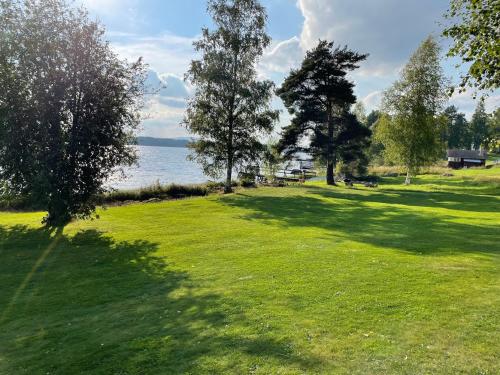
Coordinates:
(303, 279)
(396, 227)
(464, 183)
(418, 198)
(85, 304)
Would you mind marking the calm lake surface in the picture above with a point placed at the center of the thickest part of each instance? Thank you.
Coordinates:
(164, 164)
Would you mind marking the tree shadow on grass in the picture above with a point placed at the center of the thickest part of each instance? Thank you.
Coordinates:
(486, 185)
(392, 227)
(417, 198)
(86, 304)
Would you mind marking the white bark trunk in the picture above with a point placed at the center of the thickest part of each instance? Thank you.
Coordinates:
(408, 178)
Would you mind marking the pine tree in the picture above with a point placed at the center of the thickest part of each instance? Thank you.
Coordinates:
(479, 126)
(318, 96)
(457, 132)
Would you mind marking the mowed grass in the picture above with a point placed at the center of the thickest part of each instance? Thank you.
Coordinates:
(299, 280)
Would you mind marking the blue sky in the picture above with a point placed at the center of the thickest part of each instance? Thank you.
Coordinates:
(162, 32)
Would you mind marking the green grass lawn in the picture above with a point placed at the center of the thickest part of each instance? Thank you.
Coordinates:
(305, 279)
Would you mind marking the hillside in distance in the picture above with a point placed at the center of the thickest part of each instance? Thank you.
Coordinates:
(162, 142)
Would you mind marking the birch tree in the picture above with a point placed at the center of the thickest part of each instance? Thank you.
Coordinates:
(230, 110)
(411, 129)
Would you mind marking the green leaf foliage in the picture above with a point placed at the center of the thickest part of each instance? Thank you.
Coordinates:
(475, 32)
(410, 129)
(493, 140)
(458, 135)
(230, 109)
(479, 126)
(68, 106)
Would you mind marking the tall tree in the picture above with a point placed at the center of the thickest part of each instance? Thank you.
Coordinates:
(372, 118)
(351, 140)
(68, 106)
(479, 126)
(230, 108)
(272, 160)
(318, 95)
(457, 129)
(376, 149)
(411, 130)
(359, 111)
(493, 140)
(475, 30)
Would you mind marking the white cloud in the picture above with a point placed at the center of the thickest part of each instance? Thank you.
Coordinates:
(163, 128)
(166, 85)
(372, 100)
(171, 55)
(156, 110)
(165, 53)
(175, 86)
(282, 57)
(162, 118)
(467, 104)
(389, 30)
(165, 105)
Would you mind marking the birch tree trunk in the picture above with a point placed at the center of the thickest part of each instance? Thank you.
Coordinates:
(408, 178)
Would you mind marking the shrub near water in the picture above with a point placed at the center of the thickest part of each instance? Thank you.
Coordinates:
(155, 191)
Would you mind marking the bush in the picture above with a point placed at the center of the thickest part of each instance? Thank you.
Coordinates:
(155, 191)
(248, 183)
(213, 186)
(395, 170)
(9, 200)
(355, 168)
(386, 170)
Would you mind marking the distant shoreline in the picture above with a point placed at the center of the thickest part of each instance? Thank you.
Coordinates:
(162, 142)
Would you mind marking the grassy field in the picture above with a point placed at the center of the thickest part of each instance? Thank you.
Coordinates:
(304, 279)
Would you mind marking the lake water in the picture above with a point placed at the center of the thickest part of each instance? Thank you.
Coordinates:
(164, 164)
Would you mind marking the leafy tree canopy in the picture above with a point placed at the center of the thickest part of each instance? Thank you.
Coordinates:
(411, 130)
(372, 118)
(376, 148)
(231, 108)
(475, 30)
(359, 111)
(493, 141)
(457, 129)
(68, 106)
(479, 126)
